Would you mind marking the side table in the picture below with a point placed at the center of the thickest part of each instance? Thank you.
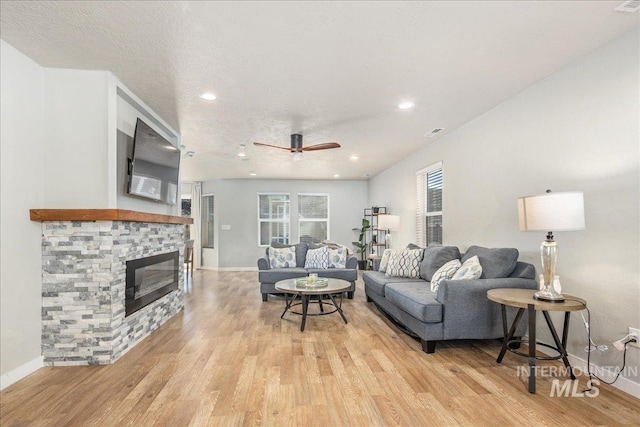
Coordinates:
(523, 300)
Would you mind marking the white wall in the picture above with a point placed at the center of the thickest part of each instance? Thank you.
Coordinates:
(575, 130)
(236, 205)
(22, 188)
(76, 125)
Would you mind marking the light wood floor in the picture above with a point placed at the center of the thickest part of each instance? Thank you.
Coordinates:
(228, 359)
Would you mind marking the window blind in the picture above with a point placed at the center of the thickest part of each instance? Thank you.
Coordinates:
(429, 204)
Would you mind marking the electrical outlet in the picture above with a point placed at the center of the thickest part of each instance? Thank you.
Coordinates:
(636, 332)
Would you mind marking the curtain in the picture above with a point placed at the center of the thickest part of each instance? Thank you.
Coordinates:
(196, 202)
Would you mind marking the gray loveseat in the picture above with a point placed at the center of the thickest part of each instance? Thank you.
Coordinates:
(268, 276)
(460, 308)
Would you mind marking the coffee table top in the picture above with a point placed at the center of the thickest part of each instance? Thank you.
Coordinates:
(521, 298)
(333, 286)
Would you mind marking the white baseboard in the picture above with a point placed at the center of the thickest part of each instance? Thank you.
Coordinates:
(228, 268)
(20, 372)
(622, 383)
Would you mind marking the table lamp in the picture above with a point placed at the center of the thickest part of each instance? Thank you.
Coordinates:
(545, 212)
(388, 222)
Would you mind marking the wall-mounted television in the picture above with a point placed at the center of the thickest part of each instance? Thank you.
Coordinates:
(154, 168)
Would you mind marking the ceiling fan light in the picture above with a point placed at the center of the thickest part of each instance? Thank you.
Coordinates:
(297, 156)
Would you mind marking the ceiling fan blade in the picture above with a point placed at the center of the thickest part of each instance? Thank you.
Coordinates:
(323, 146)
(272, 146)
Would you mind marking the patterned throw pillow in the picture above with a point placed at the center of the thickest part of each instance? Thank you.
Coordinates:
(317, 258)
(405, 263)
(384, 261)
(471, 269)
(282, 257)
(338, 257)
(445, 272)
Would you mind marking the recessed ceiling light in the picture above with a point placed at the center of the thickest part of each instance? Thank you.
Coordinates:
(252, 173)
(242, 154)
(207, 96)
(354, 158)
(336, 175)
(406, 105)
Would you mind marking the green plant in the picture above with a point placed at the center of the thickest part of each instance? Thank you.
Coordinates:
(361, 244)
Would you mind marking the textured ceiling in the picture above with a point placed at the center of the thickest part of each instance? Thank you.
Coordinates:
(334, 71)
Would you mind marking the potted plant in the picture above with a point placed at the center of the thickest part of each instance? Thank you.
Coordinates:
(361, 244)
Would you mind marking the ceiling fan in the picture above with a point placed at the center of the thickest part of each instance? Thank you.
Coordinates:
(297, 148)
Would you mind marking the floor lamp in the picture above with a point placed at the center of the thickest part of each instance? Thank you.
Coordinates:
(388, 223)
(545, 212)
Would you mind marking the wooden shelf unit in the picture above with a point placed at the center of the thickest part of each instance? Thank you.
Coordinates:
(375, 237)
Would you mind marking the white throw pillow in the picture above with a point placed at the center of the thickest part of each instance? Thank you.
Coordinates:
(282, 257)
(317, 258)
(384, 261)
(445, 272)
(338, 257)
(405, 263)
(471, 269)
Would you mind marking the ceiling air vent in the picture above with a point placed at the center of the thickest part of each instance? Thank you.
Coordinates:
(629, 6)
(435, 131)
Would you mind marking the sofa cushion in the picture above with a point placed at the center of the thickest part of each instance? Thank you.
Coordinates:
(496, 263)
(445, 272)
(282, 257)
(384, 261)
(376, 281)
(435, 256)
(317, 258)
(416, 299)
(337, 257)
(348, 274)
(470, 270)
(301, 251)
(277, 274)
(405, 263)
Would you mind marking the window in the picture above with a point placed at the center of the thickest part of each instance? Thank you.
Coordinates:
(313, 217)
(186, 212)
(207, 222)
(273, 218)
(429, 205)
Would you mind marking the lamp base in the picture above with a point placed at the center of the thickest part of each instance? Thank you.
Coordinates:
(548, 294)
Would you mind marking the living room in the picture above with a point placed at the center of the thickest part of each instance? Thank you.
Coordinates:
(575, 128)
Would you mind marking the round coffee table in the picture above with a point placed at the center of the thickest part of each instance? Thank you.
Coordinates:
(292, 291)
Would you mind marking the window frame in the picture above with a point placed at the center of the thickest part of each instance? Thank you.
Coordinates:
(422, 207)
(270, 220)
(327, 219)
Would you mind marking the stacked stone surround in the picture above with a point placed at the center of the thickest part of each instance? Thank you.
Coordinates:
(83, 288)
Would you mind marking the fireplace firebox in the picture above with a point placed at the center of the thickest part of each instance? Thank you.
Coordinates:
(149, 279)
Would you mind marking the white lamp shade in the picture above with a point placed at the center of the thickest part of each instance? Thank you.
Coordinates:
(388, 222)
(552, 212)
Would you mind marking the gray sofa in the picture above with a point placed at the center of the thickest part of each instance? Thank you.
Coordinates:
(268, 276)
(460, 308)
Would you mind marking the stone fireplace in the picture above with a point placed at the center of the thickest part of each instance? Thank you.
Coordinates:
(86, 318)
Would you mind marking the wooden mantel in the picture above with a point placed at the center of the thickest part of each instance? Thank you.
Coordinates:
(104, 215)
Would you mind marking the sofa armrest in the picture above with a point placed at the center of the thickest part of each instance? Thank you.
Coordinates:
(465, 292)
(352, 262)
(468, 313)
(263, 263)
